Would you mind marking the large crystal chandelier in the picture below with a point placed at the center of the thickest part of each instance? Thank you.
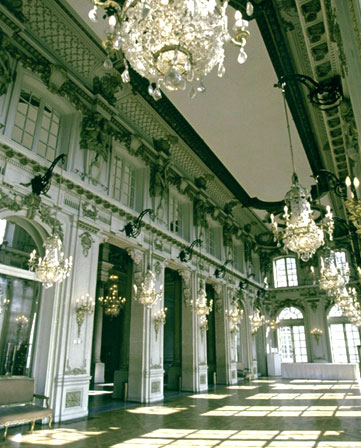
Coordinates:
(301, 234)
(147, 294)
(172, 43)
(54, 267)
(348, 302)
(113, 302)
(332, 279)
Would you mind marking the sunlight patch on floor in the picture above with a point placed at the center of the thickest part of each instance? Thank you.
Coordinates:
(210, 396)
(242, 387)
(54, 437)
(155, 410)
(99, 392)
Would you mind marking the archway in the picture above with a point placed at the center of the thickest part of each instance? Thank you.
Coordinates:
(20, 295)
(344, 337)
(291, 335)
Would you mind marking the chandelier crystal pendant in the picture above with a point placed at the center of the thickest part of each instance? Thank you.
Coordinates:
(147, 295)
(54, 267)
(172, 43)
(235, 316)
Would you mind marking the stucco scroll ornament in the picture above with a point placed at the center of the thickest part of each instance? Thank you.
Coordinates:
(135, 255)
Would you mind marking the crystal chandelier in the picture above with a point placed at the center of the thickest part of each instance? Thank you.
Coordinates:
(201, 308)
(348, 302)
(159, 319)
(54, 267)
(147, 294)
(301, 234)
(257, 320)
(172, 43)
(113, 302)
(235, 316)
(332, 279)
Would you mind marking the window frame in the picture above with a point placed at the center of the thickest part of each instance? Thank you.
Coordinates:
(27, 81)
(293, 323)
(175, 198)
(287, 272)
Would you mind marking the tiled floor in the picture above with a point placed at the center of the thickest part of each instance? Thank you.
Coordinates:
(267, 413)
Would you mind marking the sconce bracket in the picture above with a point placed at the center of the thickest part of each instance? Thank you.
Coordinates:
(133, 228)
(185, 255)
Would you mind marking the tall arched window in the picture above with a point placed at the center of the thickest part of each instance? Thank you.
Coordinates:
(291, 336)
(344, 337)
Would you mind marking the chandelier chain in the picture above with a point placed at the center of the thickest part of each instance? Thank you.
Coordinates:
(288, 126)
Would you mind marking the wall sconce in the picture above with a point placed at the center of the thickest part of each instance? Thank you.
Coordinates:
(82, 306)
(159, 319)
(41, 184)
(317, 332)
(220, 273)
(132, 229)
(273, 324)
(324, 95)
(185, 255)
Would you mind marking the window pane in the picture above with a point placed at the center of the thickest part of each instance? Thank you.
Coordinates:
(338, 343)
(285, 272)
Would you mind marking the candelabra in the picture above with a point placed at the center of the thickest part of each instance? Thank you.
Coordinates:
(113, 302)
(316, 332)
(147, 294)
(83, 306)
(170, 43)
(159, 319)
(54, 267)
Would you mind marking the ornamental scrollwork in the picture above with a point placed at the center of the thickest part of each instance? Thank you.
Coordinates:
(86, 242)
(5, 64)
(95, 135)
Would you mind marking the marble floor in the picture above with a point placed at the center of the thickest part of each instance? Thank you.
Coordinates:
(269, 413)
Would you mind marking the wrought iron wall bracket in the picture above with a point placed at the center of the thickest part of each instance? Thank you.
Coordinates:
(41, 184)
(324, 95)
(133, 228)
(221, 272)
(185, 255)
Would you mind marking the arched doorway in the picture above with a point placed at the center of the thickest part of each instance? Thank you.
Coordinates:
(291, 335)
(19, 296)
(172, 346)
(211, 339)
(111, 336)
(344, 337)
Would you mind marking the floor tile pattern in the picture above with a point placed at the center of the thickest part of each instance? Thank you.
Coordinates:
(266, 413)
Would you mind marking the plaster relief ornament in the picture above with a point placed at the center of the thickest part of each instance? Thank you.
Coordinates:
(172, 43)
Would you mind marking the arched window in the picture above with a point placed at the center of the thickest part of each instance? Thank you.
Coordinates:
(285, 272)
(19, 298)
(344, 337)
(291, 336)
